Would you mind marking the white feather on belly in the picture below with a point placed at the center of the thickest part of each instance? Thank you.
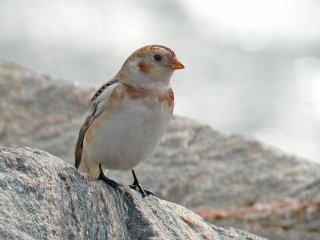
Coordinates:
(129, 135)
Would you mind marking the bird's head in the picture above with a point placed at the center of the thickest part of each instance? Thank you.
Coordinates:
(149, 67)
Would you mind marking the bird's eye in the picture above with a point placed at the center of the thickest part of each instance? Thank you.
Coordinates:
(157, 58)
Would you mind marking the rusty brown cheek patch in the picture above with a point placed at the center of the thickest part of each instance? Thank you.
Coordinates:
(144, 67)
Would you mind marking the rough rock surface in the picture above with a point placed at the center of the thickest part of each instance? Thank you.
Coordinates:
(194, 165)
(43, 197)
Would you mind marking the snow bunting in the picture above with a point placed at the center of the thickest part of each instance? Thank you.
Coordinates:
(128, 115)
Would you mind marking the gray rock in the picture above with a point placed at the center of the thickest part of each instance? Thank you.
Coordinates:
(194, 165)
(43, 197)
(36, 112)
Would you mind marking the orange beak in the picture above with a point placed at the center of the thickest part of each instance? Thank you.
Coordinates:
(176, 64)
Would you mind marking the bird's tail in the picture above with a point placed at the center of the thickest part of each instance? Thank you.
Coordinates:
(89, 167)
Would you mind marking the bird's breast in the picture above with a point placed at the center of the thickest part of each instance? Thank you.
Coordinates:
(129, 128)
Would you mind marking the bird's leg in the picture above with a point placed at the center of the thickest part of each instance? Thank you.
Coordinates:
(108, 181)
(136, 186)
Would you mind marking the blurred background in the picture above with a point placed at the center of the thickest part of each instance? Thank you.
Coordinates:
(252, 66)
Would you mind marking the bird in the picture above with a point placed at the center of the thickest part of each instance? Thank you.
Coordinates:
(128, 115)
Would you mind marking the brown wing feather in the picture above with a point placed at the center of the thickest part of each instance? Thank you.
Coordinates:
(88, 121)
(79, 145)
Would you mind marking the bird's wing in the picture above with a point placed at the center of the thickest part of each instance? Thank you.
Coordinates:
(96, 105)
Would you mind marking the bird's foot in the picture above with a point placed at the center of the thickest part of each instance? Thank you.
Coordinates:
(108, 181)
(137, 187)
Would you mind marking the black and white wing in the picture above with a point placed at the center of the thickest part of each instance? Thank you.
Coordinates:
(96, 105)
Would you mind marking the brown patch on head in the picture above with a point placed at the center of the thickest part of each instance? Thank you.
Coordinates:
(154, 47)
(145, 68)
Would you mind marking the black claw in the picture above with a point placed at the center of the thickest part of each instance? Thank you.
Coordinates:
(108, 181)
(148, 192)
(136, 186)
